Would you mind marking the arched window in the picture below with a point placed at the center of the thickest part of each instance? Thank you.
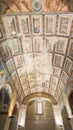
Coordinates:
(39, 108)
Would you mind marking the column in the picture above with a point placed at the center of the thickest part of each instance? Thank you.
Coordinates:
(3, 118)
(58, 117)
(67, 105)
(6, 127)
(22, 117)
(13, 123)
(71, 121)
(66, 102)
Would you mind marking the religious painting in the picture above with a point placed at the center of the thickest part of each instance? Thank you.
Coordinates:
(70, 52)
(27, 44)
(65, 21)
(38, 44)
(20, 93)
(58, 60)
(24, 24)
(49, 43)
(17, 85)
(31, 77)
(10, 66)
(23, 80)
(14, 76)
(7, 78)
(50, 24)
(1, 66)
(56, 71)
(37, 24)
(45, 84)
(21, 71)
(53, 89)
(68, 65)
(54, 80)
(61, 45)
(16, 48)
(19, 61)
(25, 86)
(64, 77)
(9, 25)
(61, 85)
(5, 50)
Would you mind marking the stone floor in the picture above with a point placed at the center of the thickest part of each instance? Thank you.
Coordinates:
(39, 125)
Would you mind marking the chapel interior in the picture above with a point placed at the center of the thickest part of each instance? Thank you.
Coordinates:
(36, 64)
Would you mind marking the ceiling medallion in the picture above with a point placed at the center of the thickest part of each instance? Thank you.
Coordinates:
(37, 5)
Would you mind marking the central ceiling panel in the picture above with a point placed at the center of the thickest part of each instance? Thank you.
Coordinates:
(37, 51)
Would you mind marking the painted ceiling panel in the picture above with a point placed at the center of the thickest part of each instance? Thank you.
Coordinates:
(37, 51)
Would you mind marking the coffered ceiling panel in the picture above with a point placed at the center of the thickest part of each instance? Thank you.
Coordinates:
(37, 51)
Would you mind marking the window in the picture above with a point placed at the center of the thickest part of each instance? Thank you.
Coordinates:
(22, 116)
(39, 108)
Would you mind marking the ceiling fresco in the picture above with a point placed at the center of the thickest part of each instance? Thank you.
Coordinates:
(37, 51)
(12, 6)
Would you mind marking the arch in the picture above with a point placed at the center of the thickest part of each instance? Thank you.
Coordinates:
(8, 87)
(39, 95)
(12, 104)
(34, 120)
(66, 120)
(15, 109)
(71, 101)
(5, 96)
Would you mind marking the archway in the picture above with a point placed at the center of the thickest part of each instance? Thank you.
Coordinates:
(66, 120)
(14, 117)
(71, 101)
(40, 115)
(5, 98)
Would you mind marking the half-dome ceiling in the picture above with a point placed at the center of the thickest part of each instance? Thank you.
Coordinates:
(37, 51)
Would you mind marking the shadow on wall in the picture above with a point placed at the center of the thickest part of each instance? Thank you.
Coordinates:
(71, 101)
(66, 121)
(4, 100)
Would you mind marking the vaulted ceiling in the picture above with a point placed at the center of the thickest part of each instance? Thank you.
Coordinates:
(36, 48)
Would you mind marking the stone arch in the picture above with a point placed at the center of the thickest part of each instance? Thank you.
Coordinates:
(39, 95)
(8, 87)
(14, 117)
(15, 109)
(47, 116)
(5, 97)
(66, 120)
(14, 106)
(71, 100)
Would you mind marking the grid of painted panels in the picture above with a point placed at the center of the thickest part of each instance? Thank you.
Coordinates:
(38, 51)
